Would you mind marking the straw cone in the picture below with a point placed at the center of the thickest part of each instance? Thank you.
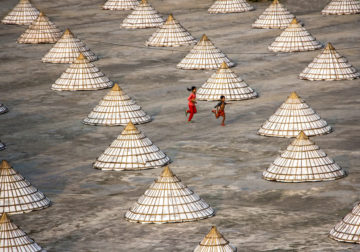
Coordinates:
(295, 38)
(348, 229)
(67, 49)
(81, 76)
(132, 150)
(116, 108)
(328, 66)
(203, 56)
(22, 14)
(120, 4)
(144, 16)
(17, 195)
(13, 239)
(230, 6)
(342, 7)
(168, 201)
(41, 31)
(276, 16)
(171, 34)
(303, 161)
(214, 241)
(225, 82)
(293, 116)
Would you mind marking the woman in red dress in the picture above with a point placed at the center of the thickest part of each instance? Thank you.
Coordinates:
(192, 101)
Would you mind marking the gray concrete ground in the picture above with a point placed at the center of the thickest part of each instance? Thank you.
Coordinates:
(49, 145)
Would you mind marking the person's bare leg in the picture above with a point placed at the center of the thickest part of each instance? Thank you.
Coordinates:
(214, 111)
(223, 121)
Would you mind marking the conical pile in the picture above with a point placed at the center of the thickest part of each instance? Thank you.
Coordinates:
(168, 201)
(204, 55)
(329, 65)
(230, 6)
(293, 116)
(295, 38)
(41, 31)
(342, 7)
(81, 75)
(303, 161)
(132, 150)
(3, 109)
(171, 34)
(116, 108)
(17, 195)
(120, 4)
(14, 239)
(348, 229)
(67, 49)
(225, 82)
(22, 14)
(144, 16)
(2, 146)
(276, 16)
(214, 241)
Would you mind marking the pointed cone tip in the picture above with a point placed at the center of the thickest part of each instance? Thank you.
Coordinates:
(302, 136)
(130, 126)
(67, 32)
(214, 232)
(167, 172)
(5, 165)
(116, 87)
(294, 95)
(329, 46)
(170, 18)
(144, 1)
(204, 38)
(224, 66)
(294, 21)
(275, 2)
(4, 218)
(81, 57)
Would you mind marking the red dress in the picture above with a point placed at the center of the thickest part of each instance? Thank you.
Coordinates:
(192, 107)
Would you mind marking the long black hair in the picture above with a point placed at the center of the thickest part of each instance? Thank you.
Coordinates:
(191, 89)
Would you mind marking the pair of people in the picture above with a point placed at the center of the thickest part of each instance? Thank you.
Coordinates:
(218, 111)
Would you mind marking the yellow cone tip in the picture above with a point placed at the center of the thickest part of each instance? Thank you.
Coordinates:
(116, 87)
(275, 2)
(224, 66)
(214, 233)
(41, 14)
(294, 95)
(5, 165)
(144, 1)
(170, 18)
(130, 126)
(67, 32)
(302, 136)
(4, 218)
(204, 38)
(329, 46)
(81, 57)
(294, 21)
(167, 172)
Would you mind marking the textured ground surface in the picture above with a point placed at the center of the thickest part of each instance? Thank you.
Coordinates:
(48, 144)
